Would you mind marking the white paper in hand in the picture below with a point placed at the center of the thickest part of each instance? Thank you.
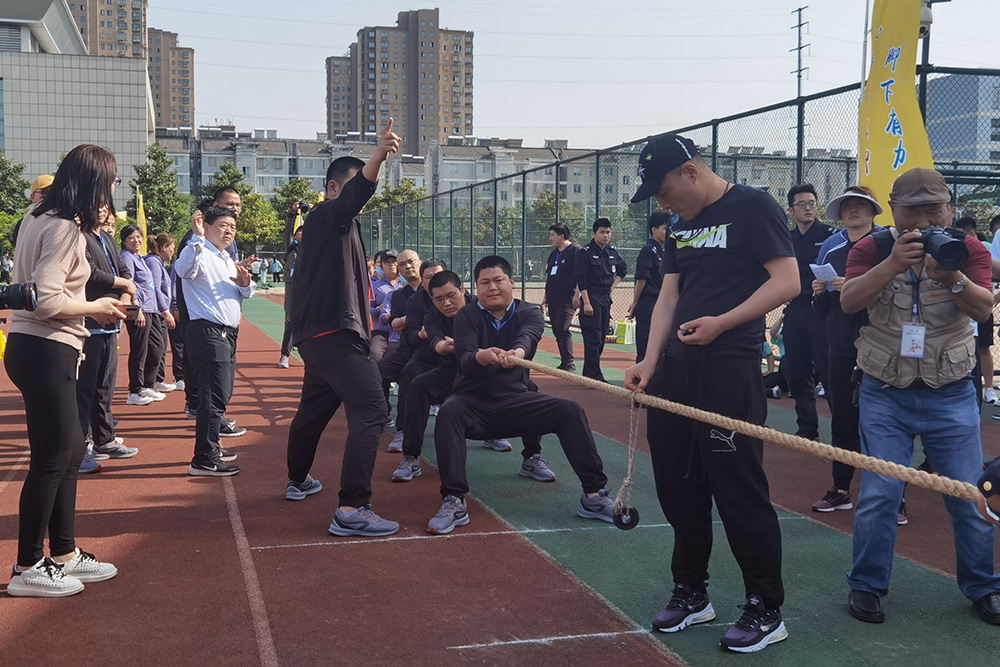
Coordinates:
(826, 273)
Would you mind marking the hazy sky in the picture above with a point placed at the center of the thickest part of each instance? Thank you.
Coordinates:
(597, 73)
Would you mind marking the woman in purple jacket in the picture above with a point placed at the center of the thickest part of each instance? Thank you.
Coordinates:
(143, 332)
(161, 248)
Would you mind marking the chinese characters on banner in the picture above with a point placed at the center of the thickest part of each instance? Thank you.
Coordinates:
(891, 134)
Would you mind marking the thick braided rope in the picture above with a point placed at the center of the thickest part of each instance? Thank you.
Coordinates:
(944, 485)
(624, 498)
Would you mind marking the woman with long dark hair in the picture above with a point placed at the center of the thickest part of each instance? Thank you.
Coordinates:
(42, 359)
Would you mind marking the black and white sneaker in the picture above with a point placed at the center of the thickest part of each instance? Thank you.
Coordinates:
(217, 468)
(44, 579)
(686, 607)
(230, 430)
(757, 628)
(227, 455)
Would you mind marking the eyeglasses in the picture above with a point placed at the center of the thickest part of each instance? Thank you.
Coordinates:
(804, 205)
(117, 181)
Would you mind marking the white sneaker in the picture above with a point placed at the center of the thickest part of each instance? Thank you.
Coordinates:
(119, 441)
(152, 394)
(44, 579)
(179, 385)
(138, 399)
(396, 446)
(990, 395)
(164, 387)
(86, 568)
(283, 362)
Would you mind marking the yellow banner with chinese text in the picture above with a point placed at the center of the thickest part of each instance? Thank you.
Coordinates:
(140, 221)
(891, 134)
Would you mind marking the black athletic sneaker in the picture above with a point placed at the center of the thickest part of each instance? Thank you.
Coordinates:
(757, 628)
(227, 455)
(686, 607)
(229, 430)
(216, 468)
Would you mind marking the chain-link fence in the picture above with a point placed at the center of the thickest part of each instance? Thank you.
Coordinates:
(812, 139)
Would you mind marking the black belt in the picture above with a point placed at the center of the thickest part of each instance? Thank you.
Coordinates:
(920, 384)
(216, 325)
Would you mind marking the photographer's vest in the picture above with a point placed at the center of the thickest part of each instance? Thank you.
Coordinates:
(949, 346)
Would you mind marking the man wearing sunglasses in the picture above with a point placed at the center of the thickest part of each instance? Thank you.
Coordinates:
(806, 351)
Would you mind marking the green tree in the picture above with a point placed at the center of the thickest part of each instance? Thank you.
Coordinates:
(12, 186)
(406, 191)
(166, 208)
(258, 225)
(297, 189)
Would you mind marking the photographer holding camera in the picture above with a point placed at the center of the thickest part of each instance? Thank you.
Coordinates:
(43, 358)
(920, 283)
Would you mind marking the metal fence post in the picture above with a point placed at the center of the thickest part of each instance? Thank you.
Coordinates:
(451, 229)
(715, 146)
(800, 146)
(597, 188)
(556, 191)
(418, 231)
(404, 230)
(524, 232)
(496, 213)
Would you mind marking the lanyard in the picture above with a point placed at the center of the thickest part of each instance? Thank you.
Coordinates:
(111, 259)
(916, 295)
(558, 255)
(498, 325)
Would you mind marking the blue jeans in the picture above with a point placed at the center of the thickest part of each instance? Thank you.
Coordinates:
(947, 421)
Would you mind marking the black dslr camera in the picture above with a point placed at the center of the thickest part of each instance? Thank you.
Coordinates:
(19, 296)
(946, 245)
(304, 207)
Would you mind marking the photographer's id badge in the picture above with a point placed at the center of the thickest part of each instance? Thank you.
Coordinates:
(912, 344)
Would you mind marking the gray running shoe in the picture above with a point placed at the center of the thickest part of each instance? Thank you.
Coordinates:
(453, 512)
(113, 450)
(396, 446)
(686, 607)
(601, 506)
(498, 445)
(299, 490)
(361, 522)
(536, 468)
(89, 465)
(408, 468)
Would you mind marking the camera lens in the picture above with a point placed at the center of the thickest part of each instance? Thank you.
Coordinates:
(19, 296)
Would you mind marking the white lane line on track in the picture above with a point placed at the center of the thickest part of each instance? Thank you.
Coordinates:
(548, 640)
(13, 470)
(261, 626)
(493, 533)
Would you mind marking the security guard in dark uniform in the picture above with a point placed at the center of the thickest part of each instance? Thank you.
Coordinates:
(648, 280)
(598, 269)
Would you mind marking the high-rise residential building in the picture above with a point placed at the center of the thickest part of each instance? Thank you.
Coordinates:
(112, 27)
(54, 96)
(171, 79)
(416, 72)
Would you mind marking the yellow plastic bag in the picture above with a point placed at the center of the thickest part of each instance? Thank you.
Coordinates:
(625, 332)
(3, 344)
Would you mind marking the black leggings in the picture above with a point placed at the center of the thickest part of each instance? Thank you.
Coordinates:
(45, 371)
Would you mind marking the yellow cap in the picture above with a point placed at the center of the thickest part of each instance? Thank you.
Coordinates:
(42, 182)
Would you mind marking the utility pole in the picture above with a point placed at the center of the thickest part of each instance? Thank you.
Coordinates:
(801, 24)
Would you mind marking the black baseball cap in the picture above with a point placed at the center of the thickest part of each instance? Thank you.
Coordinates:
(661, 156)
(386, 254)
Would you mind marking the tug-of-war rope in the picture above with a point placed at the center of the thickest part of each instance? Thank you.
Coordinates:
(626, 517)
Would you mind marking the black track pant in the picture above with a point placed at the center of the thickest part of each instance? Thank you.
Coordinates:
(844, 425)
(96, 387)
(804, 363)
(176, 336)
(595, 330)
(339, 371)
(527, 414)
(211, 349)
(432, 388)
(45, 372)
(561, 316)
(694, 462)
(643, 315)
(390, 367)
(190, 381)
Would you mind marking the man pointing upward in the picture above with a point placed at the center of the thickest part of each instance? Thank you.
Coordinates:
(332, 329)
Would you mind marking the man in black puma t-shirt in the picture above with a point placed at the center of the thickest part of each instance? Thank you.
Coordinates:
(727, 262)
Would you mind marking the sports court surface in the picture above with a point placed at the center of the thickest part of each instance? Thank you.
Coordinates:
(225, 571)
